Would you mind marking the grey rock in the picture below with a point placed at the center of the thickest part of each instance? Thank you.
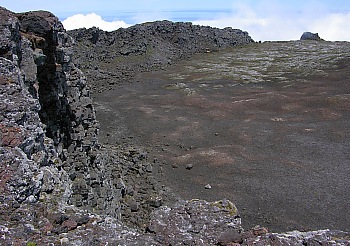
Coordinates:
(149, 168)
(321, 237)
(39, 57)
(155, 201)
(193, 222)
(134, 207)
(310, 36)
(189, 166)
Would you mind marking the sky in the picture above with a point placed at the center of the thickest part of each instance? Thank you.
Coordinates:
(264, 20)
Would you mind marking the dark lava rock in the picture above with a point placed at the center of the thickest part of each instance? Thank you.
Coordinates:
(40, 23)
(50, 159)
(82, 220)
(310, 36)
(124, 53)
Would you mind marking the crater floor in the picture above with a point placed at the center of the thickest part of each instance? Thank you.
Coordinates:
(265, 125)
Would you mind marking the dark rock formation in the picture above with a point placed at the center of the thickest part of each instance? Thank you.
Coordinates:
(58, 184)
(310, 36)
(144, 47)
(50, 158)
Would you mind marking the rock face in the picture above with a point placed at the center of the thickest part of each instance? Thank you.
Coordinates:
(50, 158)
(58, 107)
(22, 133)
(310, 36)
(58, 184)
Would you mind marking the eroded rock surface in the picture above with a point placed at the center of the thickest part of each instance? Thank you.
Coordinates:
(50, 158)
(58, 184)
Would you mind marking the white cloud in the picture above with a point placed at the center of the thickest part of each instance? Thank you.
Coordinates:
(92, 20)
(271, 21)
(263, 22)
(334, 27)
(242, 17)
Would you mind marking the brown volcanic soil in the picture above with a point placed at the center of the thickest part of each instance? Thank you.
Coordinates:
(266, 125)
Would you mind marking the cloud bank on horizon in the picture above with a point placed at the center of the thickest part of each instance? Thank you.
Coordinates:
(265, 21)
(274, 22)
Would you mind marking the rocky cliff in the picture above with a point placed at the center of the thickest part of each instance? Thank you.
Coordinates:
(58, 184)
(50, 158)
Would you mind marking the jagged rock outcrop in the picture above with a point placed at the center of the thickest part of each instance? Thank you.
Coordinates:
(125, 52)
(66, 107)
(22, 133)
(39, 60)
(50, 158)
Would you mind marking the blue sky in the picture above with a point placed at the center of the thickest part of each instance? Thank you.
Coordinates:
(263, 19)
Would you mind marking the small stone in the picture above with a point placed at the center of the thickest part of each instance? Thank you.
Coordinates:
(155, 202)
(134, 207)
(189, 166)
(69, 224)
(259, 230)
(60, 218)
(31, 199)
(29, 227)
(39, 57)
(174, 165)
(64, 241)
(149, 168)
(130, 191)
(15, 205)
(225, 202)
(208, 186)
(72, 176)
(83, 220)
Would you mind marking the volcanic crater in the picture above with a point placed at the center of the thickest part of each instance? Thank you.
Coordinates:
(265, 125)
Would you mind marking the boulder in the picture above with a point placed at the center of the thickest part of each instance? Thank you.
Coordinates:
(310, 36)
